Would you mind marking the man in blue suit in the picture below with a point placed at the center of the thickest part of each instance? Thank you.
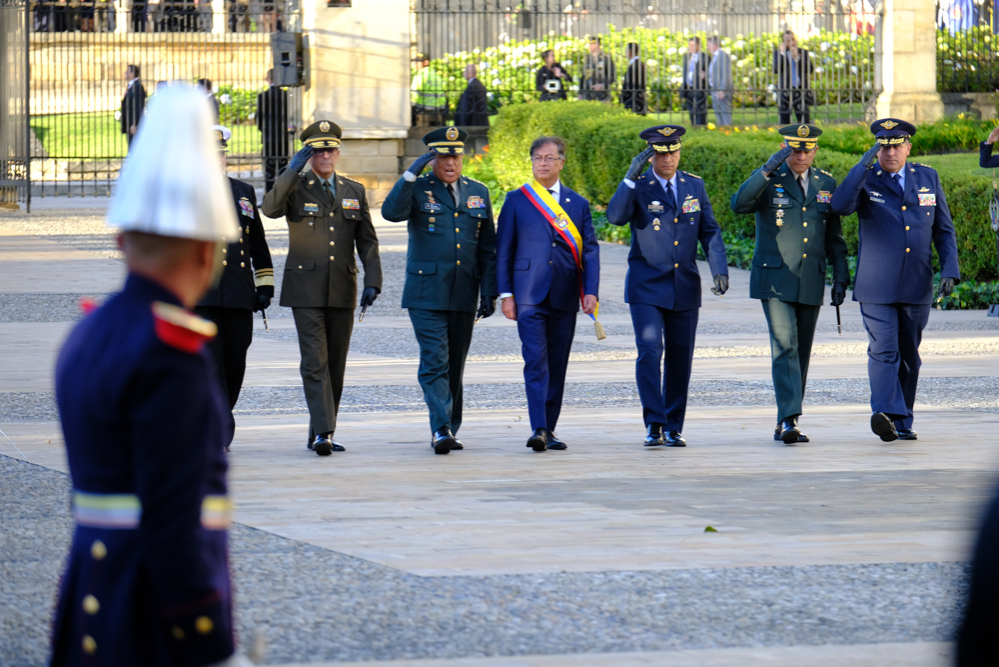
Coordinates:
(903, 214)
(669, 212)
(548, 261)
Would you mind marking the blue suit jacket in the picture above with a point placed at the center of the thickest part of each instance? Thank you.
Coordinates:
(533, 262)
(662, 264)
(895, 257)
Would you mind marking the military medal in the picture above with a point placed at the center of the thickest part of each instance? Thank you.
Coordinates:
(780, 217)
(351, 204)
(245, 207)
(655, 222)
(823, 197)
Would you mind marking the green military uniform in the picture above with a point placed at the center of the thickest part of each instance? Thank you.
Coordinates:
(320, 276)
(450, 261)
(797, 233)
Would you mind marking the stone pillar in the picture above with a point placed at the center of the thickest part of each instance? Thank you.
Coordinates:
(218, 16)
(358, 64)
(908, 62)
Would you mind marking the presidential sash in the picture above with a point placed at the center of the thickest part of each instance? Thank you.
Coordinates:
(563, 225)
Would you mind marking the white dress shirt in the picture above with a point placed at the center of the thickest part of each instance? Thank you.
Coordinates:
(556, 191)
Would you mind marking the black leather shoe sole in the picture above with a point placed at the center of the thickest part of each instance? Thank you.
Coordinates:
(679, 442)
(801, 438)
(902, 435)
(883, 427)
(791, 436)
(337, 447)
(537, 444)
(654, 443)
(442, 446)
(557, 446)
(457, 445)
(323, 448)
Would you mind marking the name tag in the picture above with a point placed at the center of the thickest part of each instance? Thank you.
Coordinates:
(476, 202)
(245, 207)
(310, 208)
(352, 204)
(655, 207)
(928, 200)
(691, 205)
(432, 207)
(880, 201)
(823, 197)
(782, 201)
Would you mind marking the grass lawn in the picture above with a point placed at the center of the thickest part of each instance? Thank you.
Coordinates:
(962, 163)
(97, 136)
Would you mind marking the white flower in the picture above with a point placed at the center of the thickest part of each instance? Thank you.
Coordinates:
(496, 83)
(225, 99)
(661, 38)
(494, 71)
(651, 63)
(824, 46)
(567, 63)
(739, 45)
(771, 87)
(853, 69)
(574, 87)
(745, 79)
(854, 37)
(489, 95)
(819, 70)
(671, 51)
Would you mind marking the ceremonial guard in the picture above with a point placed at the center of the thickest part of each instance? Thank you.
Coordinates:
(548, 262)
(797, 235)
(450, 262)
(241, 291)
(328, 217)
(147, 578)
(669, 213)
(903, 215)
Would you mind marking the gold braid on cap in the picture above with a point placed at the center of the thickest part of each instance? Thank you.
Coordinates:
(322, 142)
(666, 148)
(801, 144)
(892, 141)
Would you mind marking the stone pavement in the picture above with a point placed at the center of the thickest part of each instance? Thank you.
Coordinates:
(841, 551)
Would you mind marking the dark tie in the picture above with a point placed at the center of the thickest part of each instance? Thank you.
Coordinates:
(898, 180)
(801, 185)
(551, 192)
(670, 199)
(330, 190)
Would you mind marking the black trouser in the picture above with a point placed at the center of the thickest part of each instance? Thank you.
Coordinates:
(228, 348)
(323, 340)
(698, 107)
(272, 169)
(796, 101)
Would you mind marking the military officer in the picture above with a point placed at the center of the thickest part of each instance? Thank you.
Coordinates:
(241, 291)
(669, 212)
(450, 262)
(797, 234)
(328, 217)
(147, 578)
(903, 215)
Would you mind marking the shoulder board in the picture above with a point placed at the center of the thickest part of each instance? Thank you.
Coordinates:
(466, 178)
(341, 179)
(919, 164)
(827, 173)
(180, 328)
(687, 173)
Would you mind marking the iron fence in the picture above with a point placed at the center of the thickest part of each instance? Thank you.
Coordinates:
(83, 109)
(967, 61)
(832, 76)
(14, 132)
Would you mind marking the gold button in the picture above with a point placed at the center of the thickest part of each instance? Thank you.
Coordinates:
(98, 551)
(240, 239)
(456, 214)
(764, 263)
(459, 262)
(907, 228)
(676, 243)
(177, 632)
(459, 245)
(241, 253)
(676, 219)
(805, 224)
(225, 263)
(332, 242)
(331, 258)
(242, 265)
(806, 240)
(225, 250)
(89, 645)
(204, 625)
(804, 208)
(299, 266)
(331, 214)
(456, 230)
(331, 229)
(421, 272)
(805, 255)
(907, 250)
(903, 208)
(91, 605)
(676, 266)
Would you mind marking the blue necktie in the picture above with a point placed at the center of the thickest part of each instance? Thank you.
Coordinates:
(670, 199)
(898, 180)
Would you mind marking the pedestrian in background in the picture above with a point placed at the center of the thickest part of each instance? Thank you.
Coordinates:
(551, 78)
(599, 73)
(272, 121)
(427, 93)
(633, 95)
(132, 104)
(328, 217)
(473, 105)
(695, 81)
(206, 85)
(794, 68)
(720, 81)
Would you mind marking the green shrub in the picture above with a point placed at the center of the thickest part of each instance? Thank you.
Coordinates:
(970, 294)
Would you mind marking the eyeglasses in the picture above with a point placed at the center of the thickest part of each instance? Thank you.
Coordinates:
(320, 151)
(547, 159)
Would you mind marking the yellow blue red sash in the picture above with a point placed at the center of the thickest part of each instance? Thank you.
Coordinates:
(563, 225)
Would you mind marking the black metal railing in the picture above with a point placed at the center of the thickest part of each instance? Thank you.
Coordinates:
(833, 76)
(14, 132)
(967, 61)
(83, 111)
(240, 16)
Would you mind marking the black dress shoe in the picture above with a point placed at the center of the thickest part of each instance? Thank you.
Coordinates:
(456, 444)
(903, 434)
(539, 441)
(337, 447)
(322, 445)
(674, 439)
(555, 443)
(883, 427)
(789, 432)
(654, 435)
(801, 438)
(443, 441)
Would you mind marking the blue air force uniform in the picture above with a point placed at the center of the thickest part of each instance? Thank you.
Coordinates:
(450, 261)
(535, 265)
(147, 580)
(663, 285)
(902, 217)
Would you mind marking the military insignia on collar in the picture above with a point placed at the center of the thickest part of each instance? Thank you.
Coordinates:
(324, 126)
(452, 133)
(802, 130)
(889, 124)
(666, 131)
(924, 189)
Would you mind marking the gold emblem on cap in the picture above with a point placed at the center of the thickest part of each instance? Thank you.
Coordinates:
(452, 133)
(218, 134)
(666, 131)
(324, 126)
(889, 124)
(802, 131)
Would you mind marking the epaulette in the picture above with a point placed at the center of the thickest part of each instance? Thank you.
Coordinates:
(920, 164)
(340, 179)
(693, 175)
(466, 178)
(180, 328)
(827, 173)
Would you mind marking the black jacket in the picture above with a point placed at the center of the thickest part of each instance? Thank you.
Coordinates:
(544, 75)
(633, 88)
(700, 71)
(272, 121)
(239, 284)
(783, 70)
(473, 105)
(132, 106)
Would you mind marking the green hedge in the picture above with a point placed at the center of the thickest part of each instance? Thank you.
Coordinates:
(602, 140)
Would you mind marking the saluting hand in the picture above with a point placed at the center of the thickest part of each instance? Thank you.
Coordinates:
(639, 163)
(301, 159)
(993, 136)
(776, 160)
(421, 162)
(871, 156)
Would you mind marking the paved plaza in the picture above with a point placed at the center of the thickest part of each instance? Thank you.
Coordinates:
(842, 551)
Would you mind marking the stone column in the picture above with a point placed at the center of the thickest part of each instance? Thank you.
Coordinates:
(218, 16)
(908, 62)
(358, 64)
